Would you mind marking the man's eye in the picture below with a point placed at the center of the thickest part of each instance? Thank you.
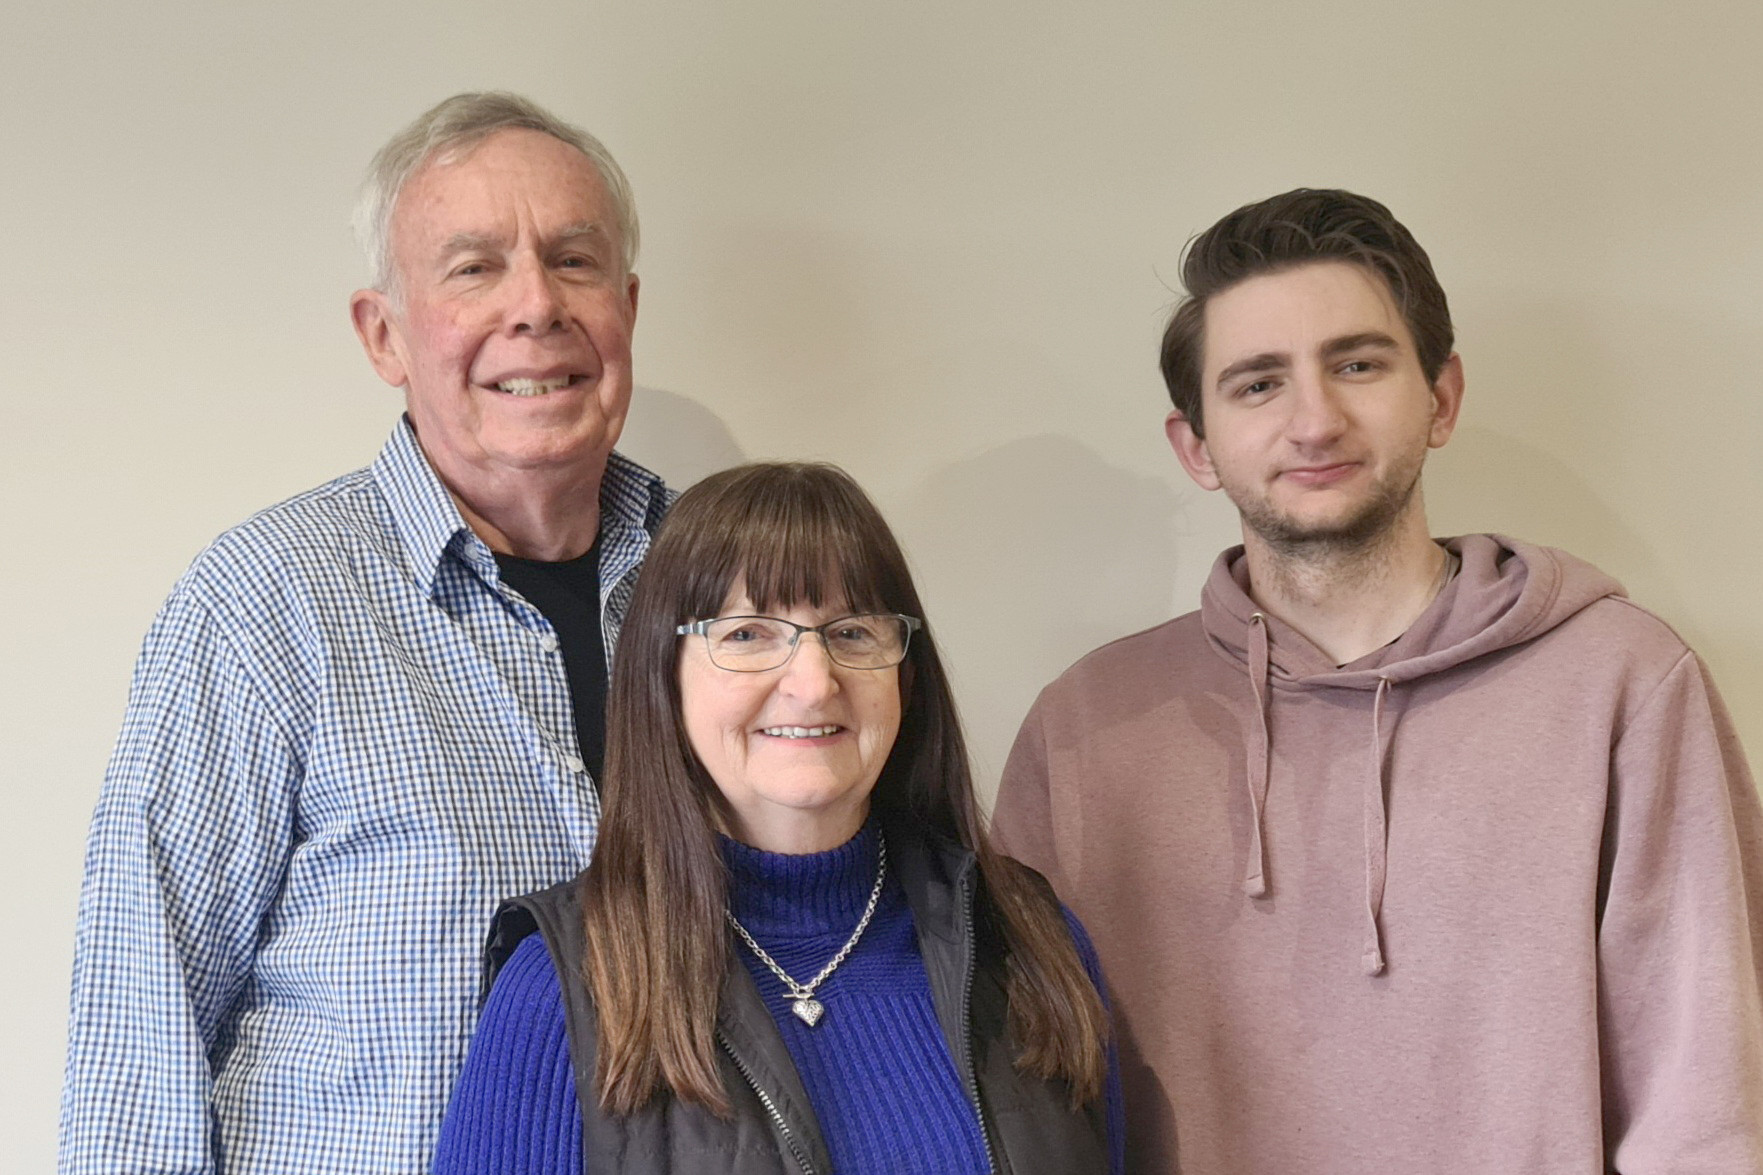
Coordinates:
(1256, 388)
(1358, 366)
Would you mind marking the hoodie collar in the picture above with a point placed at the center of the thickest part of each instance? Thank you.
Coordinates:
(1504, 593)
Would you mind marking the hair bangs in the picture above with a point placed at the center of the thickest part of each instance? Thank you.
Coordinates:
(793, 535)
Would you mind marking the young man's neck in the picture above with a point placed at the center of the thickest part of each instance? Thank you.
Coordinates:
(1350, 599)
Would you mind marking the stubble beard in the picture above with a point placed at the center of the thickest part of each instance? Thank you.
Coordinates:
(1356, 538)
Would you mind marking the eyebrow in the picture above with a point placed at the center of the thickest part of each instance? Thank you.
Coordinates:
(467, 242)
(1265, 361)
(1369, 339)
(584, 228)
(1274, 360)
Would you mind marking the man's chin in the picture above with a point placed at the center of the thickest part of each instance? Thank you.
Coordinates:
(1365, 525)
(1326, 524)
(529, 450)
(548, 455)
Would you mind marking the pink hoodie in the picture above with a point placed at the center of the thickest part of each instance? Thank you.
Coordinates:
(1489, 899)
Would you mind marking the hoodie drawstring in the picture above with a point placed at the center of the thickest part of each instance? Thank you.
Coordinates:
(1260, 752)
(1375, 818)
(1377, 832)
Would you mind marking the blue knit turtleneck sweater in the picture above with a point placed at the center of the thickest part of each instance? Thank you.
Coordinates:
(883, 1085)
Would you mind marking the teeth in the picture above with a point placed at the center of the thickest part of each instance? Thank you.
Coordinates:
(801, 731)
(532, 387)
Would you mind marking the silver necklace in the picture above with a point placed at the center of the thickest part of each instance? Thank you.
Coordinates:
(802, 1002)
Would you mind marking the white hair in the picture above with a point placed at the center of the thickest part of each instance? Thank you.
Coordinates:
(457, 124)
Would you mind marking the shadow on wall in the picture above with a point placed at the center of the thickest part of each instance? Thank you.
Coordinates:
(1030, 555)
(1493, 481)
(1532, 421)
(1629, 437)
(1580, 416)
(677, 437)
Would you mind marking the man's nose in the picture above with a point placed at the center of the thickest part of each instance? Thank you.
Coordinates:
(536, 302)
(1317, 416)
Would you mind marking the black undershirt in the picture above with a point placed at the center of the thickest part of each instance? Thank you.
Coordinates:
(568, 594)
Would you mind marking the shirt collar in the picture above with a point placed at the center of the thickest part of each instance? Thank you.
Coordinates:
(426, 517)
(632, 502)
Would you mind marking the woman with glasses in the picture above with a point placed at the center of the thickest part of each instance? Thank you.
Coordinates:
(794, 951)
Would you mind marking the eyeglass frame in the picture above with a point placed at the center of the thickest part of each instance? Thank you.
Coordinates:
(702, 628)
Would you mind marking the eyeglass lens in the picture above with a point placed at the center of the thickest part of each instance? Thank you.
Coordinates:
(754, 643)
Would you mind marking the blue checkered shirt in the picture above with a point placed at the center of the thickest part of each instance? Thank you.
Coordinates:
(346, 741)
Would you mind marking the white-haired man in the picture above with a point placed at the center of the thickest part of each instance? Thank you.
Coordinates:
(369, 713)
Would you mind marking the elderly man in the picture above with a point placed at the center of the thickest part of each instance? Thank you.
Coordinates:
(369, 713)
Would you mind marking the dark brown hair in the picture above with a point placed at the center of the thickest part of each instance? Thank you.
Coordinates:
(653, 897)
(1282, 232)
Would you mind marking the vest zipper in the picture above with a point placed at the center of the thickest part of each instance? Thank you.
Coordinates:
(972, 1079)
(783, 1128)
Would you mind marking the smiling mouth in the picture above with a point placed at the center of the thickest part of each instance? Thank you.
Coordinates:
(536, 387)
(800, 731)
(1321, 473)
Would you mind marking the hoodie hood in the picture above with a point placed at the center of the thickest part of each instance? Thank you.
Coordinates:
(1505, 592)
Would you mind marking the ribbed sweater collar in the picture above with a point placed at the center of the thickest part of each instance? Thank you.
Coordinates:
(788, 895)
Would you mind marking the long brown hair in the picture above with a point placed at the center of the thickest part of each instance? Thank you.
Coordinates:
(653, 897)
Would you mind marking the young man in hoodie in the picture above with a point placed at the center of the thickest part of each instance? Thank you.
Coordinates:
(1402, 854)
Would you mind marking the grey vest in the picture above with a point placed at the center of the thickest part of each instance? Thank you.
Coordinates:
(1029, 1126)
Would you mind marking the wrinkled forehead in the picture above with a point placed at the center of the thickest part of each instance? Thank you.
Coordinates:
(512, 181)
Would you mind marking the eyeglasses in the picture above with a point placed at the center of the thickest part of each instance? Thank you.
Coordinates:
(753, 644)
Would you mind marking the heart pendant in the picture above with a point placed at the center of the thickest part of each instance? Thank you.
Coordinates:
(808, 1011)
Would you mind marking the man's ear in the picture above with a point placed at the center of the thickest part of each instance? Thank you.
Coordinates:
(1447, 401)
(371, 312)
(1190, 449)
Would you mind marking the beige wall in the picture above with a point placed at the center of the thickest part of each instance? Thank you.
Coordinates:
(931, 241)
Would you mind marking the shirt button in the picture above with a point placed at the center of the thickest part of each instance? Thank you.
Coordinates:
(574, 765)
(548, 643)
